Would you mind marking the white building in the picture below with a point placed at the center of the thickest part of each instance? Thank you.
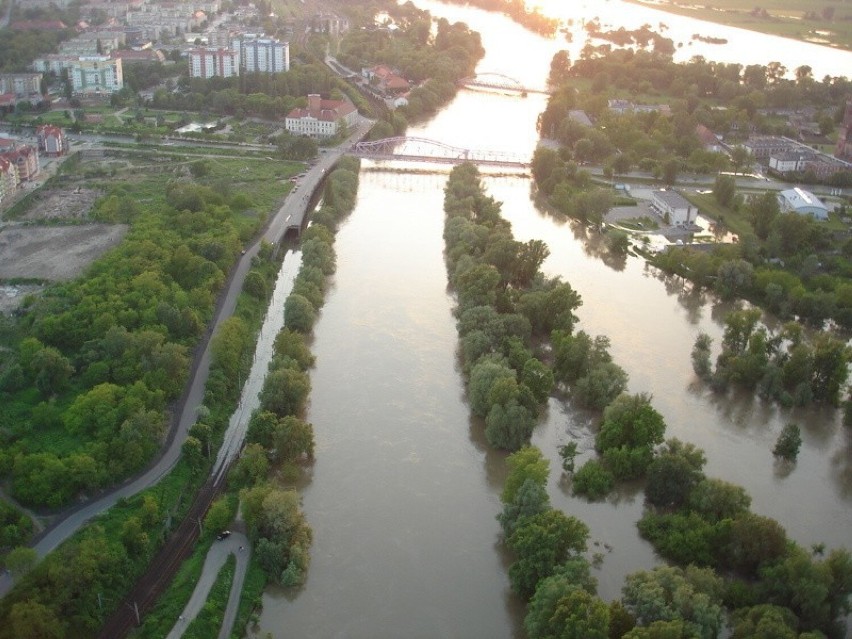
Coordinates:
(96, 74)
(263, 55)
(208, 63)
(54, 62)
(674, 208)
(51, 140)
(787, 162)
(321, 118)
(802, 202)
(21, 84)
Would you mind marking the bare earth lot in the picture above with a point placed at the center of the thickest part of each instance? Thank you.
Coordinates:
(63, 203)
(54, 252)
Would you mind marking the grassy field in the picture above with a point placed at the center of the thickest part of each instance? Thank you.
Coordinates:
(822, 21)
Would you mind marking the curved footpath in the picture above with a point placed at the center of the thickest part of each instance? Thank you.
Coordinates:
(237, 544)
(292, 210)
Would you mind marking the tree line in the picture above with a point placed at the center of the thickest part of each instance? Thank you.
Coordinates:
(730, 99)
(49, 602)
(433, 63)
(270, 96)
(504, 306)
(94, 362)
(790, 264)
(278, 438)
(784, 366)
(549, 570)
(73, 590)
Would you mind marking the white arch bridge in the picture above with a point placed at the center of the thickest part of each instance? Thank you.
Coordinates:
(412, 149)
(492, 80)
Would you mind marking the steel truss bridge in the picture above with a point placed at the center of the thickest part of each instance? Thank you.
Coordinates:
(424, 150)
(491, 80)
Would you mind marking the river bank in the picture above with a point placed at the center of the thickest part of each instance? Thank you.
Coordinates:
(803, 21)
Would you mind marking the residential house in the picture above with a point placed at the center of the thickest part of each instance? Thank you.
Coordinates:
(21, 84)
(209, 63)
(321, 118)
(24, 157)
(786, 161)
(802, 202)
(111, 8)
(262, 55)
(709, 140)
(219, 38)
(824, 166)
(132, 56)
(675, 209)
(8, 178)
(91, 75)
(386, 79)
(54, 63)
(329, 23)
(94, 42)
(580, 117)
(135, 36)
(620, 106)
(51, 140)
(804, 160)
(158, 20)
(762, 147)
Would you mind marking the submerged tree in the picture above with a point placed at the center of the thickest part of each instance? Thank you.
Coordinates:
(788, 444)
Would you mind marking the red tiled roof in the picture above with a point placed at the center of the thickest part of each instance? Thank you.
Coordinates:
(396, 82)
(705, 135)
(382, 71)
(48, 129)
(329, 111)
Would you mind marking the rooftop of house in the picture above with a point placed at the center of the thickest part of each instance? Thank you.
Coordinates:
(672, 198)
(798, 198)
(705, 135)
(326, 110)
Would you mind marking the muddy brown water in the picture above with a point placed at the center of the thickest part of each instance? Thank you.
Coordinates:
(403, 494)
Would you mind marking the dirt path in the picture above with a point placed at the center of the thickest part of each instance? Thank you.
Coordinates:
(38, 525)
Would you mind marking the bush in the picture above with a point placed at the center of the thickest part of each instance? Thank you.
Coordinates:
(593, 480)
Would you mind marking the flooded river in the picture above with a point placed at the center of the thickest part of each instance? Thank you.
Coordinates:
(403, 494)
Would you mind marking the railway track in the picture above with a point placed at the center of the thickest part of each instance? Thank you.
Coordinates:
(162, 568)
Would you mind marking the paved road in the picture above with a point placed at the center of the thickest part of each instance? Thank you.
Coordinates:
(293, 209)
(237, 544)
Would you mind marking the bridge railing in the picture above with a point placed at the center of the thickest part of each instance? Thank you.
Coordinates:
(425, 150)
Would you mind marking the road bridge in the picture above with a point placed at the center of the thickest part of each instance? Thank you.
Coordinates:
(414, 149)
(492, 80)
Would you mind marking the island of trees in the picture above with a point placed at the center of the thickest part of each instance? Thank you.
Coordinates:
(727, 559)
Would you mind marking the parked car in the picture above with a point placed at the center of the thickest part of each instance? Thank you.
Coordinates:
(223, 535)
